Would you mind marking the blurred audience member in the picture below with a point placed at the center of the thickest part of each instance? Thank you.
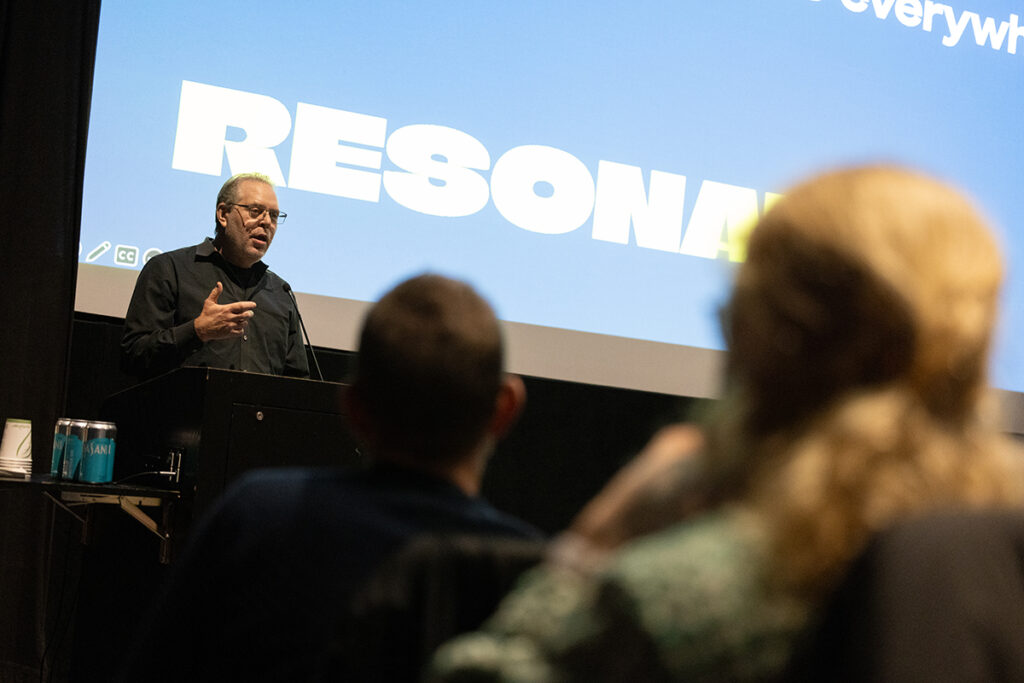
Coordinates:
(859, 329)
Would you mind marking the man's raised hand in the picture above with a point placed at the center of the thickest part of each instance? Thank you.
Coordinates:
(223, 321)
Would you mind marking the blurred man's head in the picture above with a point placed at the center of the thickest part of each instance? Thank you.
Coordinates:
(430, 382)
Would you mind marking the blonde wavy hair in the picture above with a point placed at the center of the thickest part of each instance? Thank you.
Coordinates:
(859, 329)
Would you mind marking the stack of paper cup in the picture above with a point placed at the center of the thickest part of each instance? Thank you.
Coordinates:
(16, 446)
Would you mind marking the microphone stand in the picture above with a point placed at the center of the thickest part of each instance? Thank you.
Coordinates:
(309, 344)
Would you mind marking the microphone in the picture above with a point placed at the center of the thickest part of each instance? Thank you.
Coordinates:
(309, 344)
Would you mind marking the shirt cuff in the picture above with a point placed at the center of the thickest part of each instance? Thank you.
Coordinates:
(185, 338)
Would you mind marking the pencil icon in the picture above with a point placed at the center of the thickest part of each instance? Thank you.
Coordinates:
(103, 248)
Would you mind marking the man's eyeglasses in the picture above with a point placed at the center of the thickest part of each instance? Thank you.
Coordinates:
(255, 211)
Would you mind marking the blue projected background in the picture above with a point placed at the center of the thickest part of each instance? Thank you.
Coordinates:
(542, 116)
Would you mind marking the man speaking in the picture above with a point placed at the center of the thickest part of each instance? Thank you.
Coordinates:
(216, 304)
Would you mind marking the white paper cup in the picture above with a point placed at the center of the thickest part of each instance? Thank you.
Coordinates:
(16, 447)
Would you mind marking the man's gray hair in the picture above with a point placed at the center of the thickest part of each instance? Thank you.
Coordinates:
(228, 191)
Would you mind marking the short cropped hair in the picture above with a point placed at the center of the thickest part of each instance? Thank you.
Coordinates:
(229, 191)
(429, 367)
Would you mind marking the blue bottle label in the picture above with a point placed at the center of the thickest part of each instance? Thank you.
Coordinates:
(98, 460)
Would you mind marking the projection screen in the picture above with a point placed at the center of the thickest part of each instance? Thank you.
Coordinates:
(592, 167)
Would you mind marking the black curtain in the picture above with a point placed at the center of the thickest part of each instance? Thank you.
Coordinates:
(47, 52)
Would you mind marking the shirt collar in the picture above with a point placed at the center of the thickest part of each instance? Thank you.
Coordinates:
(205, 251)
(382, 470)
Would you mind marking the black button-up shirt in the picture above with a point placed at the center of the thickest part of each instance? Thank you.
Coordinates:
(159, 334)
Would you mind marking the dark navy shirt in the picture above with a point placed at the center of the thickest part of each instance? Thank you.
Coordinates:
(269, 571)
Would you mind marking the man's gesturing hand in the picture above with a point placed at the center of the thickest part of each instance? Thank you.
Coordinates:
(223, 322)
